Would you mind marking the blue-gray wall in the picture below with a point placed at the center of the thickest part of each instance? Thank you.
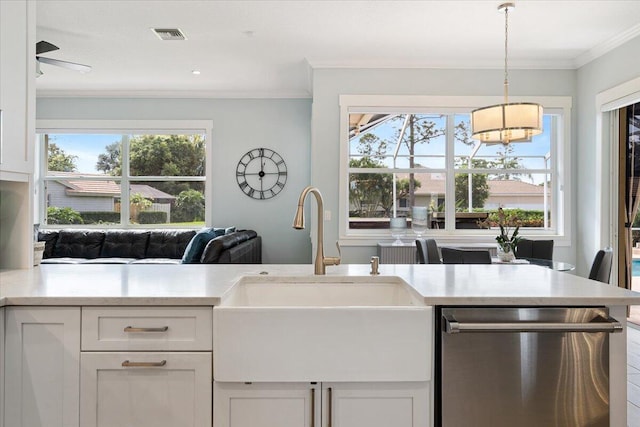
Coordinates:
(328, 84)
(239, 125)
(612, 69)
(306, 133)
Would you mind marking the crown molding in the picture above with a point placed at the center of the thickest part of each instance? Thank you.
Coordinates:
(186, 94)
(451, 64)
(607, 46)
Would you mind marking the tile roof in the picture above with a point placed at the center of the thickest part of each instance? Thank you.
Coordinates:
(431, 183)
(106, 188)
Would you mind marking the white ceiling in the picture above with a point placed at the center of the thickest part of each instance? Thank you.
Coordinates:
(267, 48)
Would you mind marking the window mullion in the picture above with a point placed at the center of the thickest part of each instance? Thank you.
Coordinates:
(450, 205)
(125, 183)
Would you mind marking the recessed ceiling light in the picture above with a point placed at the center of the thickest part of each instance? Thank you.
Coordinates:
(195, 72)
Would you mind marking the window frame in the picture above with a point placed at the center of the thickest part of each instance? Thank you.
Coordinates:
(124, 127)
(425, 104)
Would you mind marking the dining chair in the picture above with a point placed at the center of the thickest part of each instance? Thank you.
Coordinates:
(601, 267)
(427, 251)
(538, 249)
(460, 256)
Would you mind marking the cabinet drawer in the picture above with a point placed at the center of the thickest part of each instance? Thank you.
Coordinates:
(147, 328)
(146, 389)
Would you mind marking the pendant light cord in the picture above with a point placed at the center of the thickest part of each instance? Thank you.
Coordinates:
(506, 38)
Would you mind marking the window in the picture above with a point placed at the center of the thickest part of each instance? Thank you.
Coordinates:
(405, 152)
(123, 174)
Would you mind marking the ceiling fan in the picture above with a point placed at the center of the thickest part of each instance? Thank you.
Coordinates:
(44, 47)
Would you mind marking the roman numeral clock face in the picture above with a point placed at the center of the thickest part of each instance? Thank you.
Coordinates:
(261, 173)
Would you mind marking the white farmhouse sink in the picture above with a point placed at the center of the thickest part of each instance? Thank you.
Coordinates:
(321, 291)
(322, 328)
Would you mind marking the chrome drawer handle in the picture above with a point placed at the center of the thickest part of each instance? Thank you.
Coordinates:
(313, 407)
(127, 364)
(330, 409)
(132, 329)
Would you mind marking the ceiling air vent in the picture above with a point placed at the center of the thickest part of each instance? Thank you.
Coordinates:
(169, 33)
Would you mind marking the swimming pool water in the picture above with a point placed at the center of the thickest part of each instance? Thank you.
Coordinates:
(635, 267)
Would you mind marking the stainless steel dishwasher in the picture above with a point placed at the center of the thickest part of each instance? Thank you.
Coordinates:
(523, 366)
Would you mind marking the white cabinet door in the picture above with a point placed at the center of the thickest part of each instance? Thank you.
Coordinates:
(403, 404)
(266, 404)
(17, 86)
(42, 371)
(146, 389)
(17, 132)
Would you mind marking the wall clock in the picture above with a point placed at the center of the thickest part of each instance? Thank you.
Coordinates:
(261, 173)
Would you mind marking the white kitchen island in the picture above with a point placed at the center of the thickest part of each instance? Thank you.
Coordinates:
(82, 340)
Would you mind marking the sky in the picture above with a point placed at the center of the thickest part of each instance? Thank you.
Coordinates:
(86, 147)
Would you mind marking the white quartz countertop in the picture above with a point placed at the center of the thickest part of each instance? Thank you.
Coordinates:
(205, 284)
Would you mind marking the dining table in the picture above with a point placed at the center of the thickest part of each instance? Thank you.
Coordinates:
(554, 265)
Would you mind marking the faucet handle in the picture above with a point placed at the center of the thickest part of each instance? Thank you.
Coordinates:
(333, 260)
(375, 262)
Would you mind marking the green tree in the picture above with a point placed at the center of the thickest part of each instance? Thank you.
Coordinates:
(419, 129)
(159, 155)
(462, 133)
(137, 204)
(367, 191)
(372, 193)
(480, 186)
(111, 161)
(56, 215)
(59, 160)
(140, 202)
(506, 164)
(411, 130)
(189, 206)
(371, 146)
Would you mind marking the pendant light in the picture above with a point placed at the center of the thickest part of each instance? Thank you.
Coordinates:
(507, 122)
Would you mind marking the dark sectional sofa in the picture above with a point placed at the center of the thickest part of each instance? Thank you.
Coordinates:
(161, 246)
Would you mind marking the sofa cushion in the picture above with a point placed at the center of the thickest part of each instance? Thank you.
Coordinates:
(216, 246)
(196, 246)
(49, 237)
(156, 261)
(168, 243)
(110, 260)
(78, 244)
(63, 260)
(124, 244)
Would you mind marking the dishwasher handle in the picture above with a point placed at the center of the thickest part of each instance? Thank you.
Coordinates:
(452, 326)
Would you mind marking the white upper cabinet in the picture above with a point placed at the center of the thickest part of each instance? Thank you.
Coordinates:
(17, 88)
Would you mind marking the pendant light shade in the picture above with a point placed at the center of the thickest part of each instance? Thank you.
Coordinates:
(507, 122)
(515, 122)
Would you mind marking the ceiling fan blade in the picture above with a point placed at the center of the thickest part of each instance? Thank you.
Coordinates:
(65, 64)
(44, 47)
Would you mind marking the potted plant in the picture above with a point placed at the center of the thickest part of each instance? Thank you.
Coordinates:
(507, 239)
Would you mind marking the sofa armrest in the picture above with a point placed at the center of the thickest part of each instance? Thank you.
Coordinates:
(249, 252)
(216, 247)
